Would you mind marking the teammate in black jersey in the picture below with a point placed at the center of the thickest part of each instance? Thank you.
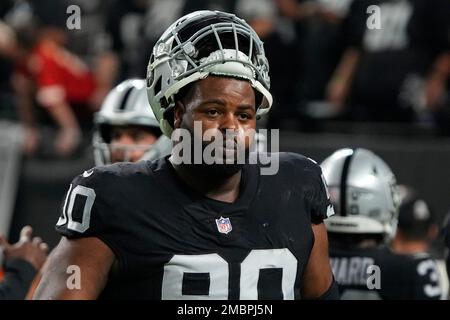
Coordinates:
(167, 230)
(364, 191)
(446, 234)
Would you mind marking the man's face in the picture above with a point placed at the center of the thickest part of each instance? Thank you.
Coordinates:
(223, 106)
(130, 143)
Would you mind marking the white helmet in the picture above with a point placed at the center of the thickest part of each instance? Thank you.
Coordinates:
(364, 192)
(125, 105)
(199, 44)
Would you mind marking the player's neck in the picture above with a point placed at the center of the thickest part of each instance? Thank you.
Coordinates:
(409, 247)
(217, 187)
(226, 191)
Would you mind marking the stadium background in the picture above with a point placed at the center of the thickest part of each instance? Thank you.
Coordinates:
(304, 49)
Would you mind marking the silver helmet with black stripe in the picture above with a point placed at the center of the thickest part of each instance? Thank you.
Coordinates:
(200, 44)
(127, 105)
(364, 193)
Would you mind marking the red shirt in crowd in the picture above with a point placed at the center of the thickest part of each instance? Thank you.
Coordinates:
(52, 66)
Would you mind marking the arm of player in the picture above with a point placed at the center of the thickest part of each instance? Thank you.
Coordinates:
(76, 269)
(318, 277)
(340, 84)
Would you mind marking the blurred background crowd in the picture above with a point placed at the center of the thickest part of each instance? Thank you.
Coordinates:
(342, 75)
(329, 60)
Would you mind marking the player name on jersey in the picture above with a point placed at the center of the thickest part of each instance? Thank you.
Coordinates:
(352, 271)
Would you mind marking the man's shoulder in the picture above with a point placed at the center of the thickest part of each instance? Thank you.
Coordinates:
(296, 158)
(109, 176)
(411, 276)
(414, 262)
(409, 265)
(297, 162)
(373, 252)
(285, 165)
(125, 169)
(106, 197)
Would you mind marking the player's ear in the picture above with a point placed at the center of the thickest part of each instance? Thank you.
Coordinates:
(178, 112)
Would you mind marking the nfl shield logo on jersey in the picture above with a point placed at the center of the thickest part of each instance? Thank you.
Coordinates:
(224, 225)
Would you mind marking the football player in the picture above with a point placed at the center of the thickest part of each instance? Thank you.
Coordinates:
(366, 198)
(169, 230)
(416, 228)
(126, 128)
(446, 235)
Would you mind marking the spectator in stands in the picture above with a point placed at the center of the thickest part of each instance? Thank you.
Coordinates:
(6, 68)
(392, 69)
(133, 27)
(22, 261)
(438, 94)
(262, 15)
(318, 46)
(92, 44)
(57, 80)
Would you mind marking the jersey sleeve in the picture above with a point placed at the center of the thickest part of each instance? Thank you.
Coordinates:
(321, 207)
(85, 212)
(310, 180)
(102, 203)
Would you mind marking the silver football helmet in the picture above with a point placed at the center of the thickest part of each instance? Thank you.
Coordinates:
(125, 105)
(199, 44)
(364, 191)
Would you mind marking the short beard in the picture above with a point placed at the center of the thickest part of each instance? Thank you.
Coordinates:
(220, 171)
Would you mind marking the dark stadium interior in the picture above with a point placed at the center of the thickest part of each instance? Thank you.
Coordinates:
(334, 86)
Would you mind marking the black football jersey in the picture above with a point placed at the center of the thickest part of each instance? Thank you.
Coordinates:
(378, 273)
(171, 242)
(447, 234)
(447, 244)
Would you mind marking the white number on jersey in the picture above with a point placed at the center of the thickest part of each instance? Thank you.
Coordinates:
(67, 214)
(216, 270)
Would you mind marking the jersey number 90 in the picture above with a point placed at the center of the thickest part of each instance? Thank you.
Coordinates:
(215, 269)
(191, 268)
